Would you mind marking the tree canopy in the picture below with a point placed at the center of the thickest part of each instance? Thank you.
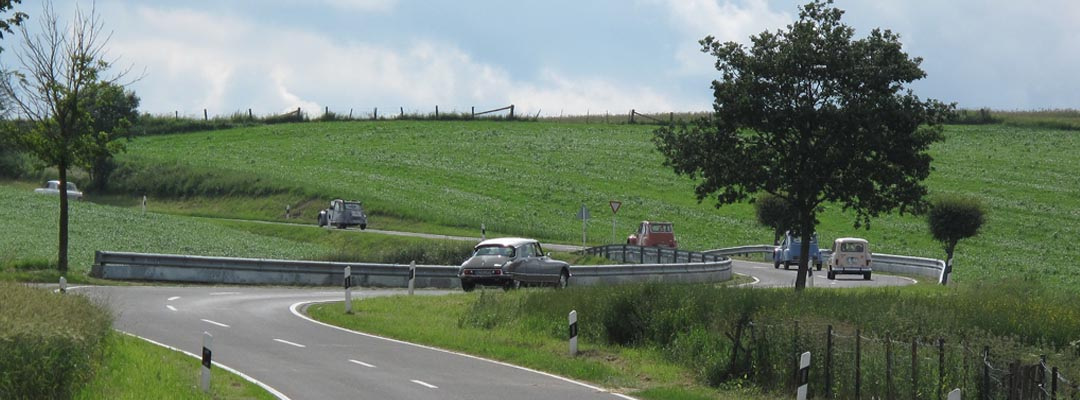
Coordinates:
(951, 219)
(814, 116)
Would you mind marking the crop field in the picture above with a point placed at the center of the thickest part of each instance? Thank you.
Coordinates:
(531, 178)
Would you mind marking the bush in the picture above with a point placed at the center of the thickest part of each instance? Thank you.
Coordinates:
(49, 343)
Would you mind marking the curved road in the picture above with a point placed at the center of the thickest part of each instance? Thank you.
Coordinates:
(765, 275)
(262, 333)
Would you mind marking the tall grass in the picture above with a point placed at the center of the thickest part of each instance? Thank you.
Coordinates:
(51, 343)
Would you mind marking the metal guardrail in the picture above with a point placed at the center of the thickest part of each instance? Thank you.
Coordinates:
(230, 270)
(628, 253)
(880, 261)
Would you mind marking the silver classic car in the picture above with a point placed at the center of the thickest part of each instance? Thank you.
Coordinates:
(343, 214)
(511, 263)
(53, 187)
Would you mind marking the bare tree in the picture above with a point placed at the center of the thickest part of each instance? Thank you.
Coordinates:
(43, 90)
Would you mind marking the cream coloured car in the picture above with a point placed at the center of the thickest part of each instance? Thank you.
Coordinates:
(850, 256)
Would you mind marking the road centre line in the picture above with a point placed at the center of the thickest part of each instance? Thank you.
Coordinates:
(290, 343)
(171, 308)
(361, 363)
(295, 309)
(422, 383)
(215, 323)
(174, 298)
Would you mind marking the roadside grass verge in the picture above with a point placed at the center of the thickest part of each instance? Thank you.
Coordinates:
(50, 344)
(135, 369)
(530, 180)
(676, 341)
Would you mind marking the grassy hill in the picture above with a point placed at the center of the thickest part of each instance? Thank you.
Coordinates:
(531, 178)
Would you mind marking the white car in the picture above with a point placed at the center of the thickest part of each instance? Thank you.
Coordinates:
(53, 187)
(850, 256)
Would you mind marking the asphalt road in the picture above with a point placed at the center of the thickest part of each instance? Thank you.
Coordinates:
(765, 275)
(262, 333)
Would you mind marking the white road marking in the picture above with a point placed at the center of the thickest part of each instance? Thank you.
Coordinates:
(215, 323)
(422, 383)
(174, 298)
(272, 391)
(623, 396)
(295, 308)
(171, 308)
(362, 363)
(290, 343)
(223, 293)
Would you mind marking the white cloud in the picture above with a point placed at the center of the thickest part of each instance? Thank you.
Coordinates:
(725, 20)
(197, 60)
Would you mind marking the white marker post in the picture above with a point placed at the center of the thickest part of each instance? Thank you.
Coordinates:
(583, 215)
(483, 232)
(954, 395)
(573, 332)
(803, 378)
(348, 290)
(144, 204)
(207, 339)
(63, 285)
(412, 276)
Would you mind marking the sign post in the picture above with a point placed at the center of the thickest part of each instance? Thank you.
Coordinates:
(583, 215)
(615, 204)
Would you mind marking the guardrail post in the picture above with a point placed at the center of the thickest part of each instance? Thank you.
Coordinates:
(206, 342)
(412, 276)
(348, 290)
(624, 254)
(573, 332)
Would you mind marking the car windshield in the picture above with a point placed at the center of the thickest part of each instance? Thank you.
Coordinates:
(852, 247)
(661, 228)
(71, 186)
(352, 206)
(494, 251)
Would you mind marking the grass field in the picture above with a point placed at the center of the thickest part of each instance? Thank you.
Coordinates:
(531, 178)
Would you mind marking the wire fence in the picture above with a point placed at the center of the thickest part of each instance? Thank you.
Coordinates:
(850, 364)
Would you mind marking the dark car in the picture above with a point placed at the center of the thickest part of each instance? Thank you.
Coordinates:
(343, 214)
(511, 263)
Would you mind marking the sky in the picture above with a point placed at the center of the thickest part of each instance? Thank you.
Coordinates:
(552, 57)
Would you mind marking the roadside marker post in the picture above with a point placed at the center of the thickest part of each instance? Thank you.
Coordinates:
(954, 395)
(573, 332)
(207, 340)
(348, 290)
(803, 377)
(63, 285)
(412, 276)
(483, 232)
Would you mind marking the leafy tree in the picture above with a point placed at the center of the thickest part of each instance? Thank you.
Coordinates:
(952, 218)
(15, 19)
(812, 116)
(112, 111)
(55, 66)
(773, 212)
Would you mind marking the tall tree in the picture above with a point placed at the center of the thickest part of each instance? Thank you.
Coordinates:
(813, 116)
(951, 219)
(112, 110)
(53, 68)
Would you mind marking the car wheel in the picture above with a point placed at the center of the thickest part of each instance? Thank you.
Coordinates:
(786, 265)
(516, 284)
(832, 275)
(866, 276)
(564, 280)
(507, 286)
(468, 286)
(363, 226)
(819, 267)
(776, 264)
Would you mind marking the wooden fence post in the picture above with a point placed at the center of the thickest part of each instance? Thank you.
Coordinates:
(205, 115)
(472, 112)
(374, 115)
(828, 361)
(436, 111)
(858, 361)
(795, 352)
(511, 111)
(631, 115)
(250, 116)
(985, 395)
(914, 368)
(941, 368)
(176, 115)
(889, 388)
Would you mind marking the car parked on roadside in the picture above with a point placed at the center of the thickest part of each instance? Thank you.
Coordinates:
(53, 187)
(510, 263)
(850, 256)
(343, 214)
(654, 234)
(789, 251)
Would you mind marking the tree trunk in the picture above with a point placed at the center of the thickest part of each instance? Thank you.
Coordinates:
(949, 251)
(776, 236)
(804, 255)
(62, 255)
